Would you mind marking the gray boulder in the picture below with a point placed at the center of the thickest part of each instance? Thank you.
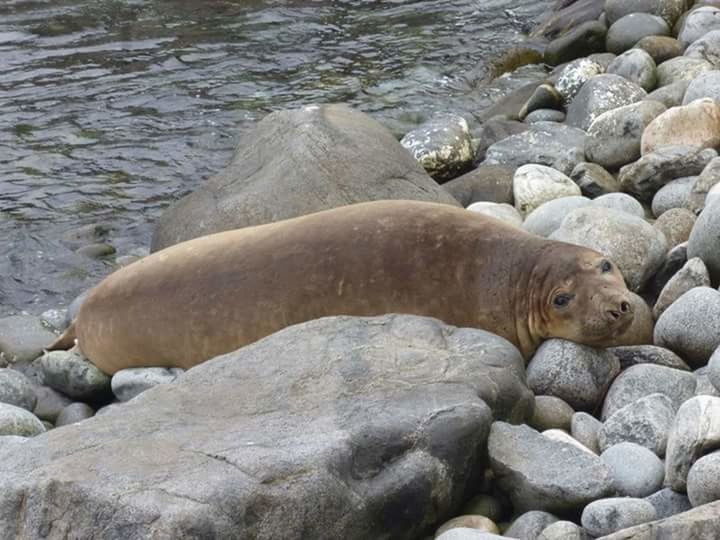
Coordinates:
(607, 516)
(622, 202)
(648, 354)
(698, 23)
(681, 68)
(564, 530)
(714, 369)
(674, 194)
(529, 525)
(19, 422)
(544, 143)
(585, 428)
(442, 145)
(670, 10)
(708, 178)
(652, 171)
(22, 338)
(298, 162)
(670, 95)
(546, 218)
(705, 85)
(692, 274)
(16, 389)
(551, 413)
(594, 180)
(646, 379)
(50, 403)
(128, 383)
(73, 375)
(73, 413)
(697, 524)
(613, 139)
(501, 211)
(631, 28)
(703, 481)
(668, 503)
(534, 185)
(691, 326)
(637, 471)
(542, 474)
(545, 115)
(574, 75)
(487, 183)
(630, 242)
(636, 66)
(704, 241)
(583, 40)
(600, 94)
(660, 48)
(676, 224)
(707, 48)
(323, 430)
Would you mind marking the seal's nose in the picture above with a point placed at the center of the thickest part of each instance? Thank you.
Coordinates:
(621, 309)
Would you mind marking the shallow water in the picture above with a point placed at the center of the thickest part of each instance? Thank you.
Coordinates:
(112, 109)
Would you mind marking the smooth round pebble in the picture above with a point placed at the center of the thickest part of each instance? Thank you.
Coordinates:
(563, 530)
(594, 180)
(637, 471)
(600, 94)
(628, 30)
(636, 66)
(660, 48)
(545, 115)
(698, 23)
(703, 481)
(529, 525)
(681, 68)
(676, 224)
(546, 218)
(16, 389)
(695, 124)
(534, 185)
(585, 428)
(693, 274)
(674, 194)
(18, 421)
(621, 202)
(605, 516)
(502, 211)
(705, 85)
(464, 533)
(704, 241)
(73, 375)
(668, 503)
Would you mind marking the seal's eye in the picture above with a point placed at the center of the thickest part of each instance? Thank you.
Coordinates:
(605, 266)
(562, 299)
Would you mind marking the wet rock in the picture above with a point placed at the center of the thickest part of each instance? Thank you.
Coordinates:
(669, 10)
(693, 274)
(492, 183)
(660, 48)
(704, 241)
(695, 431)
(574, 75)
(624, 33)
(538, 473)
(443, 146)
(648, 354)
(636, 66)
(607, 516)
(645, 379)
(670, 95)
(73, 413)
(18, 421)
(668, 503)
(22, 338)
(695, 124)
(707, 48)
(613, 139)
(691, 326)
(503, 212)
(289, 148)
(563, 530)
(709, 178)
(369, 413)
(545, 143)
(674, 194)
(128, 383)
(676, 225)
(96, 251)
(575, 373)
(545, 115)
(594, 180)
(585, 39)
(551, 413)
(16, 389)
(545, 96)
(529, 525)
(629, 241)
(478, 523)
(703, 481)
(495, 130)
(54, 319)
(568, 16)
(600, 94)
(622, 202)
(698, 23)
(637, 471)
(681, 68)
(651, 172)
(585, 428)
(646, 422)
(534, 185)
(73, 375)
(546, 218)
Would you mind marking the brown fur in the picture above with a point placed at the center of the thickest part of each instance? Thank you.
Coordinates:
(211, 295)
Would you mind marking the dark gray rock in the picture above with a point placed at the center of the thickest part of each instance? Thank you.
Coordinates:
(674, 261)
(22, 338)
(607, 516)
(334, 424)
(493, 130)
(646, 379)
(600, 94)
(674, 194)
(73, 375)
(693, 274)
(288, 153)
(585, 428)
(703, 481)
(698, 23)
(73, 413)
(544, 143)
(648, 354)
(714, 369)
(637, 471)
(681, 68)
(545, 115)
(636, 66)
(660, 48)
(646, 422)
(708, 178)
(670, 10)
(691, 326)
(16, 389)
(551, 413)
(491, 183)
(442, 145)
(567, 15)
(630, 242)
(585, 39)
(485, 505)
(575, 373)
(547, 217)
(704, 241)
(529, 525)
(697, 524)
(541, 474)
(624, 33)
(594, 180)
(695, 431)
(613, 139)
(128, 383)
(652, 171)
(545, 96)
(670, 95)
(668, 503)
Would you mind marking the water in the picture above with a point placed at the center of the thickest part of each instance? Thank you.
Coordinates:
(112, 109)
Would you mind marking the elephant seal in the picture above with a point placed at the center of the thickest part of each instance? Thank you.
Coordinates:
(198, 299)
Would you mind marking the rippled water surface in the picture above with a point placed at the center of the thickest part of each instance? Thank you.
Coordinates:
(112, 109)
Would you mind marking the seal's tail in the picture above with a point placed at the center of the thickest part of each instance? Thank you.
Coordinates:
(65, 341)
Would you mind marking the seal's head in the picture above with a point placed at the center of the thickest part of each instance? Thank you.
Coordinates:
(581, 297)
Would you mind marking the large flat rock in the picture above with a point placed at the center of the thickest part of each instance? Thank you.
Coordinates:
(337, 428)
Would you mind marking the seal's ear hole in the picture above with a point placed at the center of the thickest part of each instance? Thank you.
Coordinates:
(605, 266)
(562, 300)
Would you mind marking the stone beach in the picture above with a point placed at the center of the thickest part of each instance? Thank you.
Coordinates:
(400, 426)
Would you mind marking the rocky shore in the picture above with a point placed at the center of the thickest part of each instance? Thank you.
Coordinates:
(404, 427)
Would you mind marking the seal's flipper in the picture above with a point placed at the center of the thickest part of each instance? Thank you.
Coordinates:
(65, 341)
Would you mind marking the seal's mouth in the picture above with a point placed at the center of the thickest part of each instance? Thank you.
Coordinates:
(618, 313)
